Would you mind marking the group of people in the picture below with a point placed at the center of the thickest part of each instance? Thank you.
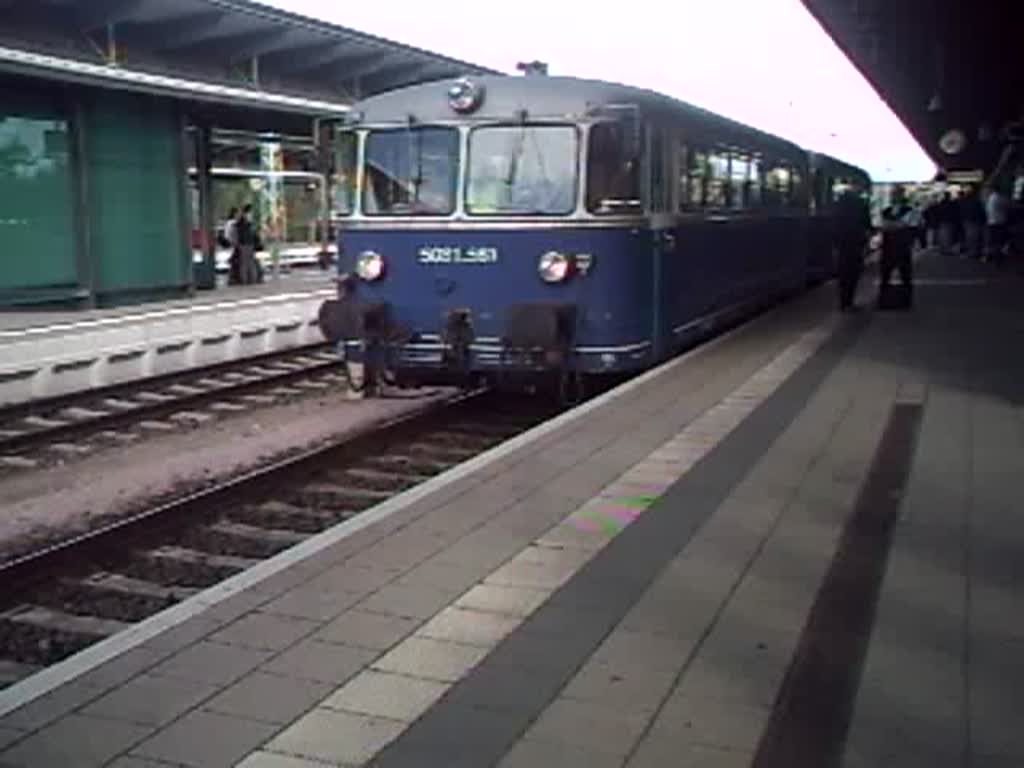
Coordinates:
(975, 224)
(239, 234)
(899, 228)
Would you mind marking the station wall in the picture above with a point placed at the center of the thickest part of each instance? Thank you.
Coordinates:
(92, 196)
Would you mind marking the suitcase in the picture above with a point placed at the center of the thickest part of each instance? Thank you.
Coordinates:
(894, 297)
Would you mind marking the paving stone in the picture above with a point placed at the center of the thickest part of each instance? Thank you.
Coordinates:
(453, 737)
(503, 600)
(150, 700)
(376, 631)
(206, 740)
(381, 694)
(269, 698)
(213, 663)
(8, 736)
(308, 602)
(275, 760)
(413, 602)
(336, 737)
(532, 753)
(50, 706)
(320, 662)
(663, 751)
(712, 722)
(470, 627)
(137, 762)
(589, 726)
(539, 568)
(265, 631)
(76, 740)
(431, 659)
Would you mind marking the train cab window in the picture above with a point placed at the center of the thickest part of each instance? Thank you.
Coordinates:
(522, 169)
(613, 171)
(716, 188)
(738, 169)
(343, 187)
(776, 186)
(411, 171)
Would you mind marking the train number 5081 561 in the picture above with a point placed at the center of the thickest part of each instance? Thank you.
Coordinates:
(445, 255)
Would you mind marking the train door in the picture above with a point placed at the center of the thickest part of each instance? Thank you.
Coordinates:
(663, 240)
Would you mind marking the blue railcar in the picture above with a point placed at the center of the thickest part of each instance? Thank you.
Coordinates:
(509, 225)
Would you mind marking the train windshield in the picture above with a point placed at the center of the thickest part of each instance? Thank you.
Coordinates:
(613, 170)
(411, 171)
(522, 169)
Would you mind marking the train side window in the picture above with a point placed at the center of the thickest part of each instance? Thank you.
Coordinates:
(343, 181)
(613, 171)
(716, 193)
(698, 176)
(776, 186)
(754, 184)
(738, 168)
(797, 197)
(657, 155)
(682, 170)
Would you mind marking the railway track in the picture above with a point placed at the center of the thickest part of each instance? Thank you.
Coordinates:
(35, 434)
(58, 601)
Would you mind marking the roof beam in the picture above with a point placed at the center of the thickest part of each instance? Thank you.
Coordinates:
(383, 62)
(328, 55)
(405, 74)
(239, 46)
(100, 13)
(183, 32)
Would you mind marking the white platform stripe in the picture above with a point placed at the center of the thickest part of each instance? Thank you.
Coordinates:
(455, 623)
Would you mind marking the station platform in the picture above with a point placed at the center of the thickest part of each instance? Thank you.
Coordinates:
(796, 545)
(46, 353)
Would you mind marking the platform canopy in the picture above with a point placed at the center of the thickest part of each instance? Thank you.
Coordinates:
(950, 69)
(231, 51)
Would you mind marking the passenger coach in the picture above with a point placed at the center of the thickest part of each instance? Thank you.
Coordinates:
(506, 225)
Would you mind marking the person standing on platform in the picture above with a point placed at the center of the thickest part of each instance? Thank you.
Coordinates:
(229, 235)
(997, 216)
(245, 233)
(897, 248)
(853, 226)
(973, 213)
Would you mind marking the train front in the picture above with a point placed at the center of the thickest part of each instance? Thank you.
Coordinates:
(472, 247)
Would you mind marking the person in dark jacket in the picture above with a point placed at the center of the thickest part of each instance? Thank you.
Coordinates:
(853, 226)
(245, 235)
(898, 233)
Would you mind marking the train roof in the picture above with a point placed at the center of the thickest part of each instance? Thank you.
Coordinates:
(545, 97)
(828, 162)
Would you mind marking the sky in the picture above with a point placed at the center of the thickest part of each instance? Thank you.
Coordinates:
(766, 63)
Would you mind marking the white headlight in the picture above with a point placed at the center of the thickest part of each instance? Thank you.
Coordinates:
(370, 266)
(553, 267)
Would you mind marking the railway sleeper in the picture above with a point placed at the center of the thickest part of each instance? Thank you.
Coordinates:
(334, 490)
(193, 557)
(53, 620)
(420, 466)
(276, 536)
(374, 480)
(431, 450)
(105, 581)
(280, 514)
